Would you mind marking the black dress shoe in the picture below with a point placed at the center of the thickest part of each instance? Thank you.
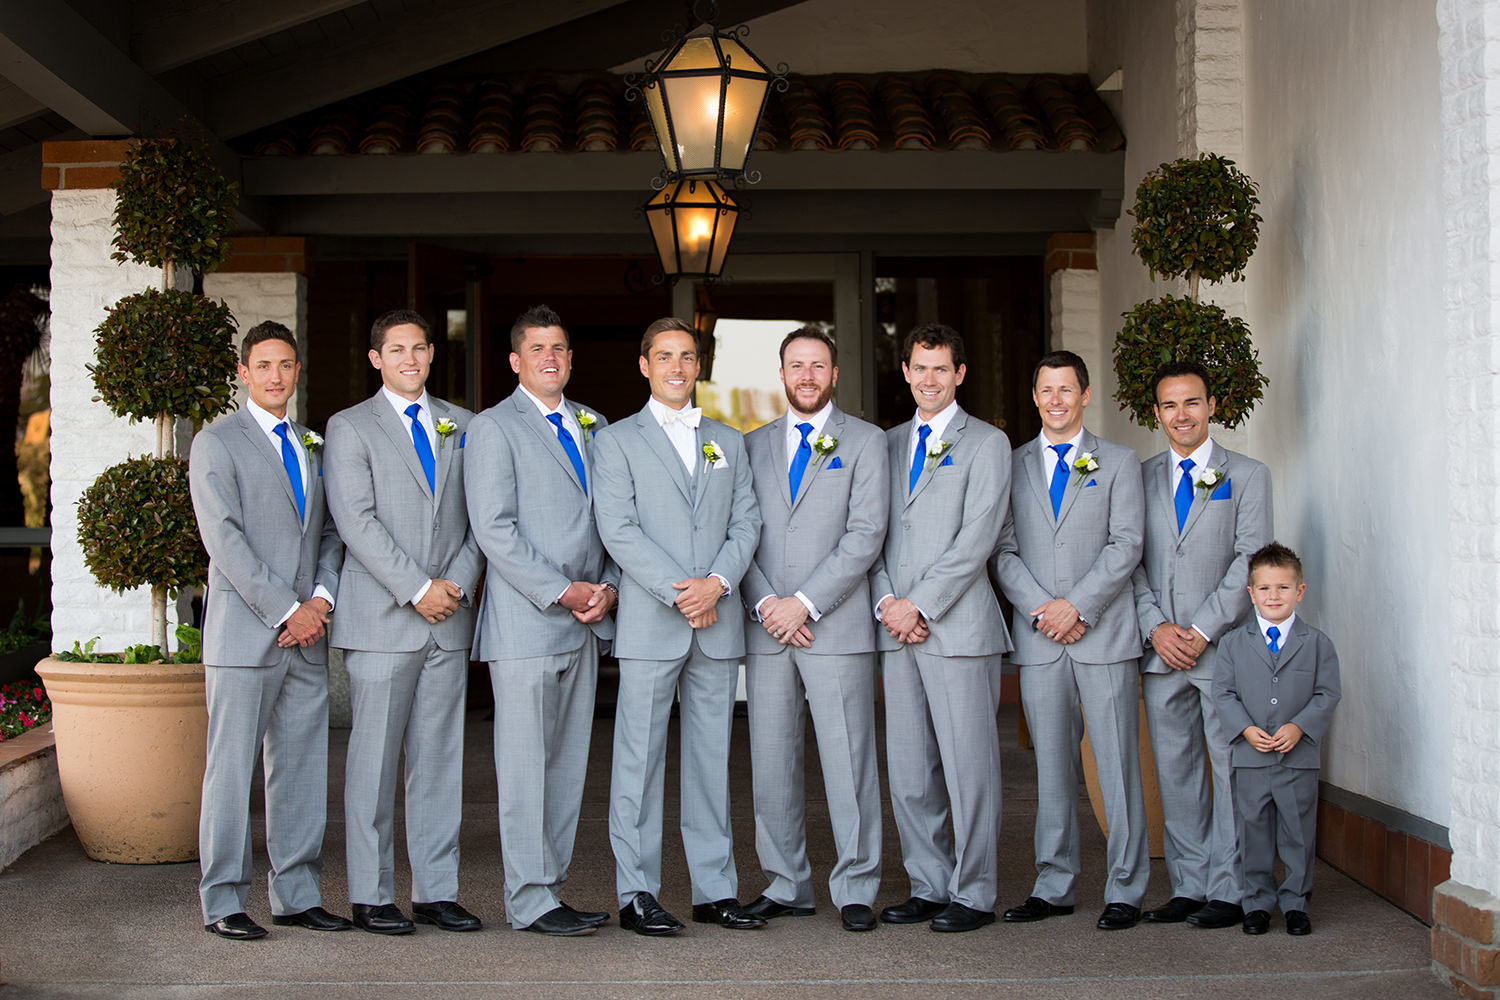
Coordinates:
(314, 919)
(1118, 917)
(857, 917)
(644, 915)
(383, 918)
(1218, 913)
(558, 922)
(236, 927)
(915, 910)
(957, 917)
(597, 918)
(1298, 923)
(446, 915)
(1035, 908)
(726, 913)
(768, 909)
(1256, 922)
(1177, 909)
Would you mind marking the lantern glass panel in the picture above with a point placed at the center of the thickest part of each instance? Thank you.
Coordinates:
(657, 111)
(742, 106)
(723, 234)
(693, 102)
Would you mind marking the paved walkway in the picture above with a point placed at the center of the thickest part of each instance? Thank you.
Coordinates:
(70, 927)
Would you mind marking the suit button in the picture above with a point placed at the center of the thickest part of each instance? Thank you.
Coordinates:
(1273, 701)
(1059, 544)
(1275, 680)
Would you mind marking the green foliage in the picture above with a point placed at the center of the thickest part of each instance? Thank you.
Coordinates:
(1196, 216)
(173, 205)
(189, 650)
(137, 528)
(166, 352)
(24, 631)
(1179, 329)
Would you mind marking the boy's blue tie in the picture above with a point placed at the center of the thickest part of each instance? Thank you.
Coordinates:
(1059, 477)
(1184, 495)
(799, 460)
(918, 456)
(293, 471)
(571, 447)
(1274, 634)
(423, 446)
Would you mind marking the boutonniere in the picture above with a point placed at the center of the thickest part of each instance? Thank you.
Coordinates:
(312, 440)
(586, 421)
(936, 450)
(712, 455)
(445, 428)
(1085, 464)
(1210, 480)
(824, 445)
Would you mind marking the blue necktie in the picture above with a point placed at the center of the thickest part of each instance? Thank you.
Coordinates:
(799, 460)
(1183, 498)
(919, 456)
(423, 446)
(571, 447)
(1059, 477)
(1274, 634)
(293, 471)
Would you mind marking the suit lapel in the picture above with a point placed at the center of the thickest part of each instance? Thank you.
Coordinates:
(1090, 445)
(262, 444)
(1031, 458)
(1200, 496)
(834, 428)
(398, 430)
(545, 433)
(656, 439)
(1294, 641)
(951, 434)
(700, 481)
(780, 463)
(445, 448)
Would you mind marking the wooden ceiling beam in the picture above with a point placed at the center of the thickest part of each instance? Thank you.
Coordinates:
(171, 33)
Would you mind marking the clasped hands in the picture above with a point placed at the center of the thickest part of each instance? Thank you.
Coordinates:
(440, 601)
(903, 620)
(1058, 620)
(306, 625)
(1286, 737)
(785, 618)
(589, 602)
(699, 599)
(1178, 647)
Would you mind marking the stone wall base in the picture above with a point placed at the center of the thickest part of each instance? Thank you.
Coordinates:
(31, 802)
(1466, 940)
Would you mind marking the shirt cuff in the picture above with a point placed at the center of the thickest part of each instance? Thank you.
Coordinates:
(290, 611)
(760, 604)
(723, 583)
(1202, 633)
(812, 611)
(878, 604)
(559, 597)
(421, 593)
(322, 591)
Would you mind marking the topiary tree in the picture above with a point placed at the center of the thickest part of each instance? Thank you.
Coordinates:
(1195, 219)
(162, 355)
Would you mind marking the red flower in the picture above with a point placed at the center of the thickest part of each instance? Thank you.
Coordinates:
(36, 693)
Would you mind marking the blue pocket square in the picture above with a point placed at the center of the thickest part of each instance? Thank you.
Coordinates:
(1222, 491)
(462, 438)
(947, 460)
(837, 463)
(1091, 482)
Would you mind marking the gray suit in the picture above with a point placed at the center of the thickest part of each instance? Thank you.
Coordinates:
(1276, 795)
(407, 677)
(535, 524)
(1197, 578)
(1085, 554)
(942, 747)
(261, 562)
(662, 526)
(822, 543)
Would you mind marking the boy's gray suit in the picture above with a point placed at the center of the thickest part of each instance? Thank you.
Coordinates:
(261, 563)
(408, 678)
(1197, 578)
(822, 543)
(661, 526)
(1085, 554)
(942, 747)
(535, 524)
(1254, 687)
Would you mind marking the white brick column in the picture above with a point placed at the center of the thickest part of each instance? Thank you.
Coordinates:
(1071, 264)
(86, 437)
(255, 297)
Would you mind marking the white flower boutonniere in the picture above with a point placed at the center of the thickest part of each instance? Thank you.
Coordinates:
(445, 429)
(1210, 480)
(1085, 464)
(824, 445)
(312, 440)
(713, 456)
(586, 421)
(936, 450)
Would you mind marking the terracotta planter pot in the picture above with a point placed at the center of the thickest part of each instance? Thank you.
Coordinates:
(131, 740)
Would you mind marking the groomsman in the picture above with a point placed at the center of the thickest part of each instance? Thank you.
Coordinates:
(677, 512)
(396, 489)
(1065, 565)
(821, 482)
(548, 592)
(943, 636)
(1208, 509)
(273, 569)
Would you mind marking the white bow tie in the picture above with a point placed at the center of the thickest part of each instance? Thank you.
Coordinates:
(689, 415)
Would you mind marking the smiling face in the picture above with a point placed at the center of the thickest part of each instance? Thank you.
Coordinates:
(1275, 591)
(1184, 407)
(671, 366)
(808, 374)
(271, 374)
(1060, 402)
(544, 363)
(404, 359)
(933, 379)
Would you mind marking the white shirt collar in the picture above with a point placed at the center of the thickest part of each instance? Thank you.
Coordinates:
(265, 419)
(818, 420)
(939, 423)
(1049, 456)
(659, 410)
(1201, 458)
(399, 404)
(559, 408)
(1284, 628)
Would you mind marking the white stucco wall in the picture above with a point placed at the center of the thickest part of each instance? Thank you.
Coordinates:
(254, 297)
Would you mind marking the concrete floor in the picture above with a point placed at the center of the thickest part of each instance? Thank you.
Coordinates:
(70, 927)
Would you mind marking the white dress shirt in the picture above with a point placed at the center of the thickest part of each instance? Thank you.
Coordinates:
(938, 423)
(818, 420)
(268, 422)
(684, 438)
(1284, 629)
(1049, 455)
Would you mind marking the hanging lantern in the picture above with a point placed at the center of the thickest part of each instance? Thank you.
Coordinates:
(692, 222)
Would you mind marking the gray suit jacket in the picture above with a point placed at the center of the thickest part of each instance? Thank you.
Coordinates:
(661, 527)
(942, 534)
(1302, 680)
(1198, 577)
(535, 525)
(260, 560)
(1085, 554)
(825, 541)
(398, 532)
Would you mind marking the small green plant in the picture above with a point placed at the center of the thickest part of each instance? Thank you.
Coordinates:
(24, 631)
(189, 650)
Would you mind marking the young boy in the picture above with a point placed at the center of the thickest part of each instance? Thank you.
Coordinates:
(1275, 688)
